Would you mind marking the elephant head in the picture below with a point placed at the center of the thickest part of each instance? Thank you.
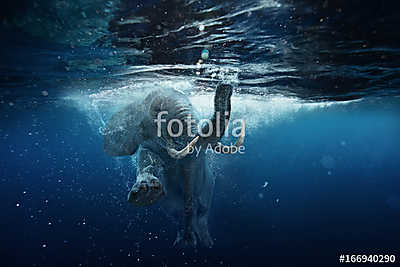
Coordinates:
(168, 117)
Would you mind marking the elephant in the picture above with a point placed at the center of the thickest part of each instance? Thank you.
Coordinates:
(168, 171)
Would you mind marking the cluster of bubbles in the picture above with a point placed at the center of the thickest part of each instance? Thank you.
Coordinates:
(226, 73)
(205, 54)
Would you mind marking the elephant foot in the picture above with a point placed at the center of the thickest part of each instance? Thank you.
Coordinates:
(203, 235)
(186, 239)
(146, 191)
(206, 240)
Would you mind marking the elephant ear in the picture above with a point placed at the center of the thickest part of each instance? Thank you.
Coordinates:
(123, 132)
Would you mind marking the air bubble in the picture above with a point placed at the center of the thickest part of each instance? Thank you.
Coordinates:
(205, 54)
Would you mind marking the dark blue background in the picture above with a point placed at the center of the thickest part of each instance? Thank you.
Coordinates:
(334, 169)
(353, 210)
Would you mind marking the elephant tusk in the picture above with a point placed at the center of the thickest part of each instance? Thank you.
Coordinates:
(182, 153)
(239, 142)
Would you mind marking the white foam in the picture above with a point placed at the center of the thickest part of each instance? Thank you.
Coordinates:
(257, 111)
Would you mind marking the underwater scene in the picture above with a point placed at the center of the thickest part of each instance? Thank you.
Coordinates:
(199, 133)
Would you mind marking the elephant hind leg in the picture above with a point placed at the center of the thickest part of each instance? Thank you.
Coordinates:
(202, 226)
(203, 205)
(197, 233)
(187, 237)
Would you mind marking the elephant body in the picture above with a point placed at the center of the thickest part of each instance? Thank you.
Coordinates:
(183, 186)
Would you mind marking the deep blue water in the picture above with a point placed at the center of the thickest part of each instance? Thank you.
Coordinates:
(319, 92)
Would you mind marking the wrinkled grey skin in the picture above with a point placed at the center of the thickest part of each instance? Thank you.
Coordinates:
(183, 186)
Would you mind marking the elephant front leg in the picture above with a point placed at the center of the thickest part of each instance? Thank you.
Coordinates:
(148, 187)
(146, 191)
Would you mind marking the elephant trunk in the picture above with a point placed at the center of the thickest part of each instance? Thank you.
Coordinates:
(222, 112)
(214, 130)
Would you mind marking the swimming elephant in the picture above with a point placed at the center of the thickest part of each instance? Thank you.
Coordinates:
(164, 130)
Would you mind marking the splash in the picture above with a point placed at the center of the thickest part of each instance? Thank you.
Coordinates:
(257, 111)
